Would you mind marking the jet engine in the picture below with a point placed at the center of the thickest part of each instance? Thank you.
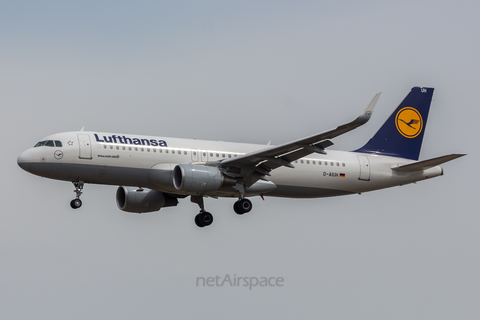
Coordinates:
(142, 200)
(198, 179)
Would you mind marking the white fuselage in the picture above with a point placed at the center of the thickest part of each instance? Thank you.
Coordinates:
(146, 161)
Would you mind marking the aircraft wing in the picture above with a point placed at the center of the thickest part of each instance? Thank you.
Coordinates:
(261, 162)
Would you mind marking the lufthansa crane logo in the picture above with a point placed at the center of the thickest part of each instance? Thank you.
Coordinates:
(58, 154)
(409, 122)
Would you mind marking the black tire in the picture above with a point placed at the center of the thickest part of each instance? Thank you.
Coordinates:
(76, 203)
(242, 206)
(245, 205)
(203, 219)
(198, 222)
(206, 218)
(236, 208)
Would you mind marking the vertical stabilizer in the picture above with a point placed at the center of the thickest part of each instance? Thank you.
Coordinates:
(402, 134)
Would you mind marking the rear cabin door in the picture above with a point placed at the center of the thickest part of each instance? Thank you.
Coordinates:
(364, 168)
(85, 146)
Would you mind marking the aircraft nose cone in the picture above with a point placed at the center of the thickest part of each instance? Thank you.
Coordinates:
(24, 160)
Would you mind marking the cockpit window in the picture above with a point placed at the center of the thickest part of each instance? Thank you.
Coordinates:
(40, 144)
(48, 143)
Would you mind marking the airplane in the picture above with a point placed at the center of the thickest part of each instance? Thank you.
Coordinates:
(155, 172)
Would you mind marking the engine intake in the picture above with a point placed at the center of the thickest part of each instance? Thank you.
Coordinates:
(197, 179)
(142, 200)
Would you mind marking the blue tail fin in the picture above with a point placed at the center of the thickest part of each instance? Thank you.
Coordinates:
(402, 134)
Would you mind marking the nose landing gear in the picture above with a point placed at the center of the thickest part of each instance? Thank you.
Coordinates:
(77, 203)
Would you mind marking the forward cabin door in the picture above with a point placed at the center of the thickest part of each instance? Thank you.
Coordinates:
(364, 168)
(85, 146)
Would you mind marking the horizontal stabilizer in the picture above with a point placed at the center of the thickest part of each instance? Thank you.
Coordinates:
(427, 164)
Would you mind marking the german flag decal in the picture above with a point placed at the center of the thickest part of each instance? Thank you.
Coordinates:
(342, 175)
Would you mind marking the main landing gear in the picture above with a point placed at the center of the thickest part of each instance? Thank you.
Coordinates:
(203, 218)
(242, 206)
(77, 203)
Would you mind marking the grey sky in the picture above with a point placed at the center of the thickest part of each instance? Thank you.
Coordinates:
(248, 72)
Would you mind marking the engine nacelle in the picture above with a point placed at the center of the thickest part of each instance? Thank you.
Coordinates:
(193, 178)
(142, 200)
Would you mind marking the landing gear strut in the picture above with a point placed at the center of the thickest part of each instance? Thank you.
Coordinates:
(77, 203)
(204, 218)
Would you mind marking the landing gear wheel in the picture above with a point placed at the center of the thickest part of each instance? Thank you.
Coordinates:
(203, 219)
(76, 203)
(242, 206)
(236, 209)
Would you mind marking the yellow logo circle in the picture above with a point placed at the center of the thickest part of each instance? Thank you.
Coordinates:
(409, 122)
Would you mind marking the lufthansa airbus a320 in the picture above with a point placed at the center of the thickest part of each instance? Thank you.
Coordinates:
(155, 172)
